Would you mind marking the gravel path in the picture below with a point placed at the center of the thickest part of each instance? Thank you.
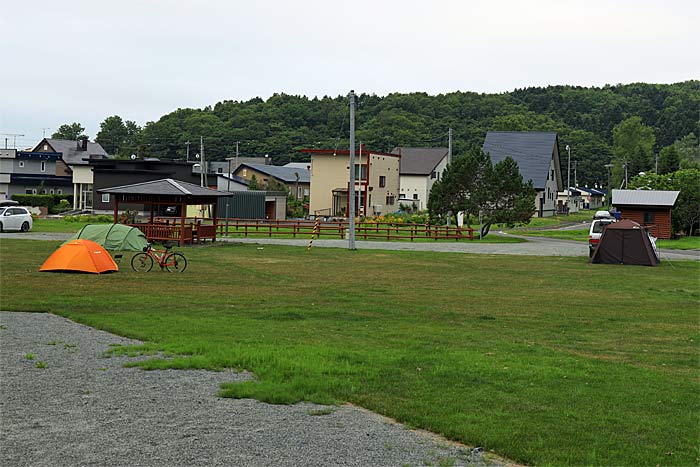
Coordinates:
(83, 409)
(534, 246)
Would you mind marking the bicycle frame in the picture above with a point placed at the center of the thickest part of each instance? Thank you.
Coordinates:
(159, 256)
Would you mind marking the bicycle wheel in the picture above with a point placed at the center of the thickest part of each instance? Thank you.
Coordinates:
(141, 262)
(176, 262)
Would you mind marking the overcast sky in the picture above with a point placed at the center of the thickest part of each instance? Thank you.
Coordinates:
(71, 60)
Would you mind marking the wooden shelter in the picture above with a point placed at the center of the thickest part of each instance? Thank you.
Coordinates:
(167, 192)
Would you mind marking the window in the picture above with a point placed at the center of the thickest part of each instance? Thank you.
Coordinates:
(415, 195)
(43, 166)
(220, 170)
(390, 200)
(649, 217)
(59, 191)
(21, 163)
(382, 181)
(362, 175)
(105, 197)
(432, 174)
(33, 191)
(51, 191)
(28, 191)
(46, 147)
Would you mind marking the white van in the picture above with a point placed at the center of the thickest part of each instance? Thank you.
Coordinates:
(596, 231)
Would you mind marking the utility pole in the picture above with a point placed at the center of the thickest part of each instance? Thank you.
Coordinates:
(449, 146)
(203, 165)
(351, 190)
(236, 166)
(656, 161)
(187, 157)
(575, 173)
(568, 176)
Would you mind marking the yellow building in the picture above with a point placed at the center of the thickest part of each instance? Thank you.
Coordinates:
(376, 182)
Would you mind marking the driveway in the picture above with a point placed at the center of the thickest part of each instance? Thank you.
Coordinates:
(534, 246)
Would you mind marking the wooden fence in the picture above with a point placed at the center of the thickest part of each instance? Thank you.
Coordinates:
(330, 229)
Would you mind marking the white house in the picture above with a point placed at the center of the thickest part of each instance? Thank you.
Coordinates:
(420, 168)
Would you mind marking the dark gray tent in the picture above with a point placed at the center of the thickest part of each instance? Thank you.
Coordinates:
(625, 242)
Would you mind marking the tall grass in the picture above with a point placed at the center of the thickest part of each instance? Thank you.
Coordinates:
(549, 361)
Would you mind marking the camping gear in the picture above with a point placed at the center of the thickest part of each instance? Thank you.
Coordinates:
(625, 242)
(82, 256)
(113, 237)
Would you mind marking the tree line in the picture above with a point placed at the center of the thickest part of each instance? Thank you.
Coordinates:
(636, 126)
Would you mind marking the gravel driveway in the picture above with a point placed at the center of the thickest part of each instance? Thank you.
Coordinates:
(83, 409)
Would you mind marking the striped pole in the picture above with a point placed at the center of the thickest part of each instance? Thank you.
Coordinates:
(313, 232)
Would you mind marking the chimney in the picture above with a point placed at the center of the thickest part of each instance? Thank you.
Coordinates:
(82, 143)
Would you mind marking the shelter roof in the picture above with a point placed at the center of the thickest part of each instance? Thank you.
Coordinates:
(165, 186)
(532, 150)
(419, 161)
(644, 198)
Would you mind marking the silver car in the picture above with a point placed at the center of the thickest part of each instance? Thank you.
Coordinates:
(15, 218)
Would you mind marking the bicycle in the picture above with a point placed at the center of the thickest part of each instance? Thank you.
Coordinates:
(173, 262)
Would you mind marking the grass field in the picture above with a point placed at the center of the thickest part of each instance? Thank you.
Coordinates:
(547, 361)
(581, 235)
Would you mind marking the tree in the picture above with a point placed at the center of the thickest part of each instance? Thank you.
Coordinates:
(71, 131)
(253, 183)
(633, 144)
(473, 185)
(118, 137)
(669, 160)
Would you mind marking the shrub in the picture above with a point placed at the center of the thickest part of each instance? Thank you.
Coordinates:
(89, 219)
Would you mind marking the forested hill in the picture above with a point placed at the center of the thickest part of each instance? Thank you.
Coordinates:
(283, 124)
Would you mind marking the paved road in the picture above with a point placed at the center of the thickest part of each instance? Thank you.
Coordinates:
(534, 246)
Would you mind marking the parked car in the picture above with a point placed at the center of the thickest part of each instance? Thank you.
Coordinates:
(15, 218)
(596, 231)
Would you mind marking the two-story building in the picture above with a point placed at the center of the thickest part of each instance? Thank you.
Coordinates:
(25, 172)
(537, 156)
(74, 164)
(376, 182)
(419, 169)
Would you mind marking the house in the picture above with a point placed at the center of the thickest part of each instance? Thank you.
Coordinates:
(25, 172)
(569, 201)
(419, 169)
(296, 180)
(650, 208)
(593, 198)
(376, 182)
(537, 156)
(74, 163)
(108, 173)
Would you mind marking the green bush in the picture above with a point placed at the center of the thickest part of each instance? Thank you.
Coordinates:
(61, 206)
(34, 200)
(90, 219)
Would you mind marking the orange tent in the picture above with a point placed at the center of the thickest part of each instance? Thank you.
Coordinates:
(80, 255)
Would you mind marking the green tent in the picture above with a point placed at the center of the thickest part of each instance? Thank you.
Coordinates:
(113, 237)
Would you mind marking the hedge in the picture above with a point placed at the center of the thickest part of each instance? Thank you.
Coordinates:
(41, 200)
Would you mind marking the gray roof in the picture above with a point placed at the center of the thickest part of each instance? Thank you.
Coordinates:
(532, 150)
(165, 186)
(71, 154)
(284, 174)
(298, 165)
(591, 191)
(644, 198)
(235, 178)
(419, 161)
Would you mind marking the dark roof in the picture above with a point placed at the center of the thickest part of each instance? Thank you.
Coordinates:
(532, 150)
(235, 178)
(284, 174)
(71, 153)
(165, 186)
(419, 161)
(591, 191)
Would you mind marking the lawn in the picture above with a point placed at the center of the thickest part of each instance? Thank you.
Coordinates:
(547, 361)
(581, 235)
